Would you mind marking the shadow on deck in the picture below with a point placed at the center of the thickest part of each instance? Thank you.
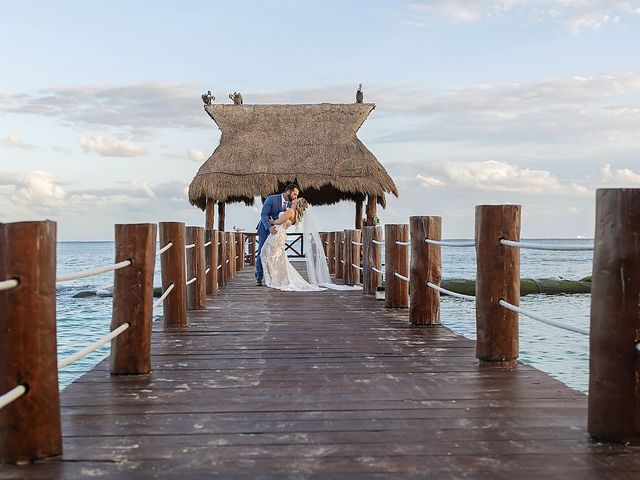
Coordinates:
(266, 384)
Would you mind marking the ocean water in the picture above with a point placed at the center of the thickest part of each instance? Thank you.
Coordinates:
(560, 353)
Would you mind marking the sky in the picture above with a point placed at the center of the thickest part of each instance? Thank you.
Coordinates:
(529, 102)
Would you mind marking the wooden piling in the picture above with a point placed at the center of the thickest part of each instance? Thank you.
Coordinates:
(347, 252)
(425, 267)
(230, 262)
(29, 426)
(330, 251)
(239, 251)
(211, 261)
(356, 250)
(497, 278)
(396, 290)
(614, 354)
(371, 258)
(222, 259)
(252, 250)
(173, 272)
(133, 298)
(196, 291)
(339, 259)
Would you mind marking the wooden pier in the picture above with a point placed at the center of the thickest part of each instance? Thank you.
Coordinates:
(265, 384)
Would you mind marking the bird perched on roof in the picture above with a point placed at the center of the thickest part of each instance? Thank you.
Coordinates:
(359, 94)
(208, 98)
(236, 97)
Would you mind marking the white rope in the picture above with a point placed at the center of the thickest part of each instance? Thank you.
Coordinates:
(548, 321)
(219, 267)
(92, 272)
(207, 244)
(341, 261)
(326, 243)
(11, 395)
(450, 293)
(356, 266)
(87, 350)
(356, 243)
(237, 257)
(401, 277)
(8, 284)
(638, 346)
(164, 295)
(164, 249)
(207, 270)
(236, 242)
(377, 242)
(404, 244)
(450, 244)
(544, 246)
(227, 261)
(189, 282)
(376, 270)
(191, 245)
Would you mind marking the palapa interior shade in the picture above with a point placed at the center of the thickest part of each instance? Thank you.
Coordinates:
(264, 147)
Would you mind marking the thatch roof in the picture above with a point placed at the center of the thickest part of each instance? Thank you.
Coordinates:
(264, 147)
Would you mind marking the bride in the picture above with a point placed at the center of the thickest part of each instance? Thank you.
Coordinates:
(278, 271)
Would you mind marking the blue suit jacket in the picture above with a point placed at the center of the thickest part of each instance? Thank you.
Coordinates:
(271, 207)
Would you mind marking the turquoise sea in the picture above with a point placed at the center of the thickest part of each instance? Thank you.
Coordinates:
(562, 354)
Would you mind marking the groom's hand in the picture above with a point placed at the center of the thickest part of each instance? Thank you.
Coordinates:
(272, 229)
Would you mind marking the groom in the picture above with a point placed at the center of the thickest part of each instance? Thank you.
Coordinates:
(273, 205)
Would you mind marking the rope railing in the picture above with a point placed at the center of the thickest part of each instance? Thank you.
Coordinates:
(11, 395)
(404, 244)
(207, 270)
(191, 245)
(219, 267)
(450, 293)
(91, 272)
(377, 242)
(356, 243)
(377, 271)
(164, 249)
(544, 320)
(207, 243)
(544, 246)
(401, 277)
(164, 295)
(9, 284)
(450, 244)
(94, 346)
(189, 282)
(357, 266)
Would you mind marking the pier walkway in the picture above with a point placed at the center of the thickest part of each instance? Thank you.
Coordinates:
(267, 384)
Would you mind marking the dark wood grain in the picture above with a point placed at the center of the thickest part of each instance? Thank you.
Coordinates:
(425, 267)
(211, 261)
(196, 265)
(172, 266)
(396, 290)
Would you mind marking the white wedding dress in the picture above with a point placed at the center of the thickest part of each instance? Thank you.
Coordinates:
(280, 274)
(278, 271)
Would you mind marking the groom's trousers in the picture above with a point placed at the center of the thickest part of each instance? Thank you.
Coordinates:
(262, 237)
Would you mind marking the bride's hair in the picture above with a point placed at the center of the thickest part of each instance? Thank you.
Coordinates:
(301, 206)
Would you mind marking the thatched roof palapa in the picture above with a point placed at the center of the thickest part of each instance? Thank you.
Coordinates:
(264, 147)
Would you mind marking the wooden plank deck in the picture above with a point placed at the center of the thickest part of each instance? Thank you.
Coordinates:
(266, 384)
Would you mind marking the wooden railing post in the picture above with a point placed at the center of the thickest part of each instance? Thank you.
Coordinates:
(356, 248)
(371, 258)
(222, 258)
(133, 298)
(347, 257)
(497, 278)
(339, 259)
(614, 345)
(252, 250)
(330, 250)
(425, 267)
(239, 251)
(211, 261)
(173, 272)
(196, 291)
(396, 258)
(230, 261)
(29, 426)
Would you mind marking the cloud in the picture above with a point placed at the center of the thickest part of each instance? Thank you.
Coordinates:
(32, 189)
(108, 146)
(571, 14)
(14, 141)
(623, 177)
(495, 176)
(196, 155)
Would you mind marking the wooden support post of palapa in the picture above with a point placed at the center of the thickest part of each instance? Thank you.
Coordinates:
(425, 267)
(30, 426)
(133, 298)
(497, 278)
(396, 258)
(614, 343)
(174, 306)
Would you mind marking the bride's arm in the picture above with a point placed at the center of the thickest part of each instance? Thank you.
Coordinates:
(288, 215)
